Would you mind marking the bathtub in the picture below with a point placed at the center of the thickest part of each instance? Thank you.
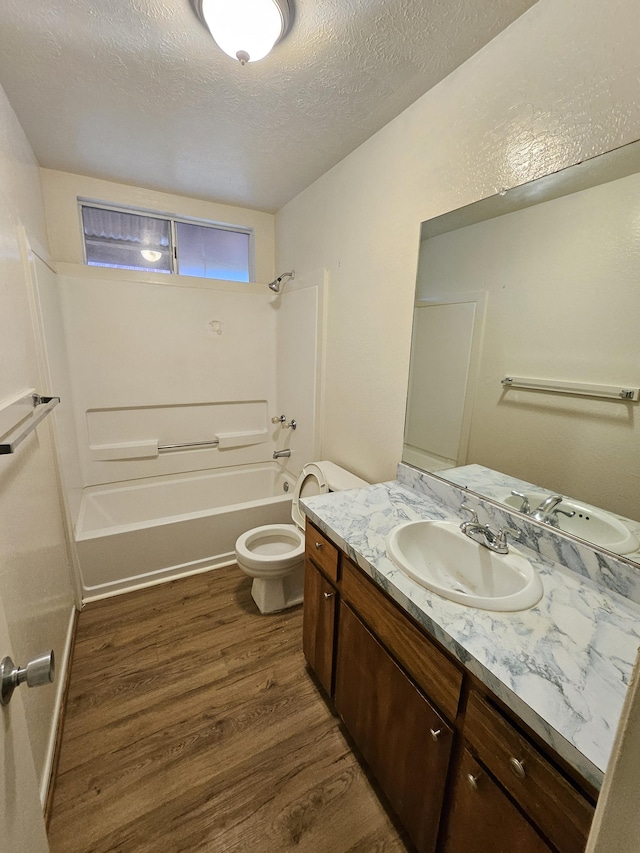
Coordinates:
(134, 534)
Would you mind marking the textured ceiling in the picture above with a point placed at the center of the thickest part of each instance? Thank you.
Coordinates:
(137, 91)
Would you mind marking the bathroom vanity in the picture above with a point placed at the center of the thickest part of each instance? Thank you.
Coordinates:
(477, 739)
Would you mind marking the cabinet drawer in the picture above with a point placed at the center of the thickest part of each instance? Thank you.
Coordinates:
(425, 663)
(559, 811)
(323, 552)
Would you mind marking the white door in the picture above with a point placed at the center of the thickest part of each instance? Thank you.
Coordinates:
(22, 827)
(445, 348)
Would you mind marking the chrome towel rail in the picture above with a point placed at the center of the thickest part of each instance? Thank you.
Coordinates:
(610, 392)
(213, 443)
(44, 405)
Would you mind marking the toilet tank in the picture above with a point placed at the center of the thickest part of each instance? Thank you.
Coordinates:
(339, 479)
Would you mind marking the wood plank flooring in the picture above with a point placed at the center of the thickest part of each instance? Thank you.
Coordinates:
(193, 725)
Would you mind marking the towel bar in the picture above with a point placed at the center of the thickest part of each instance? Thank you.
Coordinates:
(17, 436)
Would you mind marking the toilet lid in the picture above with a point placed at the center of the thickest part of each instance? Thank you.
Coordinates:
(310, 482)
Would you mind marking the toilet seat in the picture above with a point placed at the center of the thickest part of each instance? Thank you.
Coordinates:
(269, 547)
(311, 481)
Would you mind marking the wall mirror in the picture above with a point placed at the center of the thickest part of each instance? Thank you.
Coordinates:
(525, 353)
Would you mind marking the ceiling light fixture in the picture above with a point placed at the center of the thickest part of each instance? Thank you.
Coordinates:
(245, 29)
(151, 255)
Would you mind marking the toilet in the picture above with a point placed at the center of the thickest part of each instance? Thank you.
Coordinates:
(273, 554)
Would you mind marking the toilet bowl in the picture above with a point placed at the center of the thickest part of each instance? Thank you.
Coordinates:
(273, 554)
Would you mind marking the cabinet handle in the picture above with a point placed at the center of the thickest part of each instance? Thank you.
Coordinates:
(435, 733)
(318, 545)
(329, 594)
(473, 781)
(517, 767)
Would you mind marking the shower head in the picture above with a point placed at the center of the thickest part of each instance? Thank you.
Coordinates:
(275, 284)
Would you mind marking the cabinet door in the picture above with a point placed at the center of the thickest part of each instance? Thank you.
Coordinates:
(318, 625)
(484, 820)
(402, 738)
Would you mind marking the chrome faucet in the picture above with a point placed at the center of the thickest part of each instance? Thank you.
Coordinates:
(279, 454)
(494, 540)
(547, 511)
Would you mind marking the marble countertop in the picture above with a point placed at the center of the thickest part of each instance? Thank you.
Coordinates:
(563, 666)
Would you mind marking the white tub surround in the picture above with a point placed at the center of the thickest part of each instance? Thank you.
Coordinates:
(563, 666)
(165, 383)
(130, 535)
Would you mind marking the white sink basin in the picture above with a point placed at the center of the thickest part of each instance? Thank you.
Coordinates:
(590, 523)
(441, 558)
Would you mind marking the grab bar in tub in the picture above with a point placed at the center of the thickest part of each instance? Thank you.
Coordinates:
(224, 440)
(213, 443)
(18, 435)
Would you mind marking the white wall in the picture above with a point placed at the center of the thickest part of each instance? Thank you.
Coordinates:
(559, 85)
(62, 190)
(34, 564)
(616, 823)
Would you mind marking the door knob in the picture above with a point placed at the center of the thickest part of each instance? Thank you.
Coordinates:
(40, 670)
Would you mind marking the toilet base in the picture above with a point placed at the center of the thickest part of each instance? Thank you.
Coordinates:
(274, 594)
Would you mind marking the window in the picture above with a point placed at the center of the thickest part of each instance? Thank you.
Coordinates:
(114, 238)
(152, 243)
(212, 252)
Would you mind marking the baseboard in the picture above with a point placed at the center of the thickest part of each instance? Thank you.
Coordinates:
(63, 667)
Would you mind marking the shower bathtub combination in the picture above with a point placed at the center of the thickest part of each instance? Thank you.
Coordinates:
(143, 532)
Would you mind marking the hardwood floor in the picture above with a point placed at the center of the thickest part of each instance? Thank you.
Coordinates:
(193, 725)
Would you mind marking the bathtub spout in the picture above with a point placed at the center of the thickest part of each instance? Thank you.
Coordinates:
(277, 454)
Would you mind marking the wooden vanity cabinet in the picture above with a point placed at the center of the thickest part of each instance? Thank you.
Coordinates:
(436, 740)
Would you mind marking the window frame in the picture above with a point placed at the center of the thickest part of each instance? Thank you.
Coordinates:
(172, 219)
